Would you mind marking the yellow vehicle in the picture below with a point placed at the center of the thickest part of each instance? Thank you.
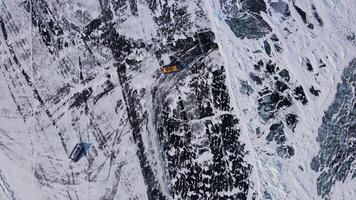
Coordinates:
(173, 67)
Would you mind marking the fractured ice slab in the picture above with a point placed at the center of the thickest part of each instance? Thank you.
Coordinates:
(336, 158)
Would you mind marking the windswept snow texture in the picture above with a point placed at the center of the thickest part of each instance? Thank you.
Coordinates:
(244, 120)
(337, 136)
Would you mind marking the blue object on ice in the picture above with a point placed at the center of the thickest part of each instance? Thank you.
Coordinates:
(79, 150)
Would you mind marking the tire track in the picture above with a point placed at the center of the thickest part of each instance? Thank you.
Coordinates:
(5, 187)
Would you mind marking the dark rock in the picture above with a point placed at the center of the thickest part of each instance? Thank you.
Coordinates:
(301, 13)
(322, 64)
(266, 195)
(285, 151)
(257, 67)
(300, 95)
(314, 91)
(274, 38)
(270, 103)
(260, 63)
(284, 74)
(250, 26)
(256, 79)
(277, 48)
(270, 67)
(301, 168)
(311, 26)
(93, 25)
(315, 164)
(316, 15)
(276, 133)
(264, 91)
(254, 6)
(292, 120)
(351, 37)
(3, 29)
(285, 102)
(258, 132)
(281, 7)
(308, 64)
(281, 86)
(246, 88)
(267, 47)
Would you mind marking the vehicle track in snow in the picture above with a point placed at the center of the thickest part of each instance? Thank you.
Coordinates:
(6, 189)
